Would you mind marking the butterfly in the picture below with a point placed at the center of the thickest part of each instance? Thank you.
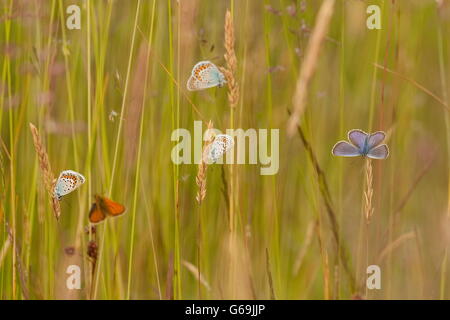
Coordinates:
(205, 75)
(103, 208)
(67, 182)
(362, 144)
(222, 143)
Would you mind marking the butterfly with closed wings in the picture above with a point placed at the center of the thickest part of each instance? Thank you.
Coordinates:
(222, 144)
(67, 182)
(205, 75)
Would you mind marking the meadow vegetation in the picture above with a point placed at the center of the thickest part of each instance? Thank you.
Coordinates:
(104, 100)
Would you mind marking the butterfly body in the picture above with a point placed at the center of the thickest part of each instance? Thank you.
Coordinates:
(103, 208)
(205, 75)
(365, 148)
(362, 144)
(67, 182)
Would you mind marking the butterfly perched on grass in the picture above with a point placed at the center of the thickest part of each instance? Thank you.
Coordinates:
(362, 144)
(103, 208)
(205, 75)
(222, 144)
(67, 182)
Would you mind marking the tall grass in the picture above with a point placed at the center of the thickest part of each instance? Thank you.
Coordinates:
(104, 100)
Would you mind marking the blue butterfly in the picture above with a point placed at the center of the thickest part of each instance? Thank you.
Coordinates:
(221, 145)
(205, 75)
(362, 144)
(67, 182)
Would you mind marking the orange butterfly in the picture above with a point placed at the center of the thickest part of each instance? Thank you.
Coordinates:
(104, 207)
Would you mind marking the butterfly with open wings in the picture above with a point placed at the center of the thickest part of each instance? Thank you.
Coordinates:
(103, 208)
(362, 144)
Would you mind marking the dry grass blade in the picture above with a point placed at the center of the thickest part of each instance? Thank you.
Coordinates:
(198, 275)
(225, 189)
(308, 240)
(309, 63)
(18, 265)
(326, 277)
(200, 179)
(44, 165)
(4, 250)
(269, 276)
(5, 149)
(169, 279)
(182, 91)
(394, 244)
(416, 84)
(413, 186)
(325, 193)
(230, 58)
(368, 193)
(325, 267)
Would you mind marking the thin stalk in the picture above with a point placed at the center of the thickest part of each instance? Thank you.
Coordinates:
(374, 76)
(138, 160)
(442, 73)
(269, 106)
(116, 149)
(175, 121)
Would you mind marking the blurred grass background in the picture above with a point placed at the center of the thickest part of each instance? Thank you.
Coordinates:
(134, 58)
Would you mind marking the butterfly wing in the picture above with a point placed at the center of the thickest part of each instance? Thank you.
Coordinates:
(195, 84)
(205, 75)
(379, 152)
(67, 182)
(345, 149)
(358, 138)
(376, 138)
(226, 140)
(221, 144)
(110, 207)
(212, 75)
(96, 215)
(216, 151)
